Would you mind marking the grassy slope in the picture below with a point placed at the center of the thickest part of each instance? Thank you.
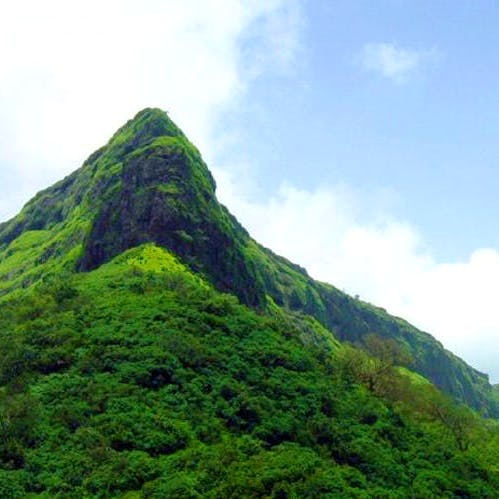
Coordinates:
(138, 379)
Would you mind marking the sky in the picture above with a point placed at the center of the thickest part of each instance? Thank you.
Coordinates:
(356, 138)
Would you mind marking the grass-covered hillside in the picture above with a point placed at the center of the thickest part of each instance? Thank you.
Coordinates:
(150, 184)
(139, 380)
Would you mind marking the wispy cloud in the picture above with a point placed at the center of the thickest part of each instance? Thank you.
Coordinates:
(392, 62)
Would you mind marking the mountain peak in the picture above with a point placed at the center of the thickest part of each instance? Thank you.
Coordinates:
(161, 190)
(144, 127)
(153, 121)
(147, 184)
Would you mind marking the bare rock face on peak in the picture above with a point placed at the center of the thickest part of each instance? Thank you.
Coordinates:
(164, 193)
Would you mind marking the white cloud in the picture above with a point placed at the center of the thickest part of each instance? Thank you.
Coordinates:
(73, 72)
(339, 239)
(393, 62)
(281, 45)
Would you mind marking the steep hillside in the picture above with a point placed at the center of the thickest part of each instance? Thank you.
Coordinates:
(139, 380)
(150, 184)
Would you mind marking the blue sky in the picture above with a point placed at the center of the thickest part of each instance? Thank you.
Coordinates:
(357, 138)
(426, 137)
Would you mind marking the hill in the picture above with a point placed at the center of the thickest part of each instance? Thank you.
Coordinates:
(150, 184)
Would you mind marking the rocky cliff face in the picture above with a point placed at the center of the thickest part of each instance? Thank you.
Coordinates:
(150, 184)
(166, 195)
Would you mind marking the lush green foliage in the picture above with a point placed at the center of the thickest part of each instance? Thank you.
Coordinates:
(140, 380)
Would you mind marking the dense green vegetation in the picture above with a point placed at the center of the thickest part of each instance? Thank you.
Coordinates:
(150, 348)
(138, 379)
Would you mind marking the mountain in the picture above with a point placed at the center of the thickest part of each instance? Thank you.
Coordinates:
(150, 348)
(150, 184)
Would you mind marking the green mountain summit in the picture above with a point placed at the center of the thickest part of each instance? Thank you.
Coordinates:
(151, 348)
(149, 184)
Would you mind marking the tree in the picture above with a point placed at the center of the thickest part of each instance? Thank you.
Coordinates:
(461, 422)
(375, 366)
